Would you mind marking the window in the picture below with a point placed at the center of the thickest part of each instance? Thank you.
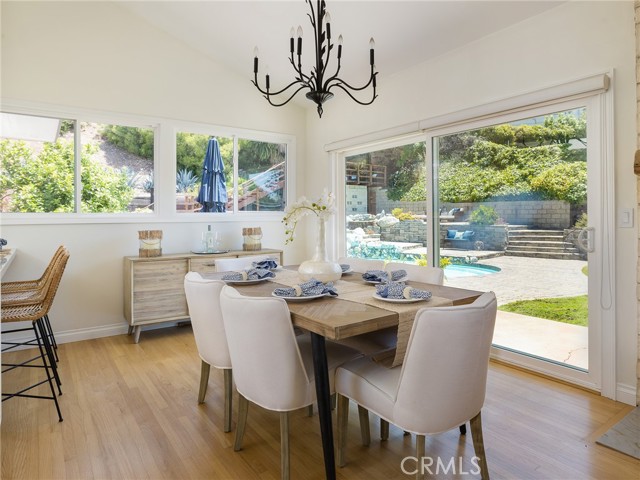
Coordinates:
(49, 166)
(259, 184)
(261, 175)
(191, 149)
(383, 187)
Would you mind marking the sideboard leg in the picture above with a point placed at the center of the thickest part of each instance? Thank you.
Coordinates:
(130, 330)
(136, 333)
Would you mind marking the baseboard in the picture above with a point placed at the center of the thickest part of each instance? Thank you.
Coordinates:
(626, 394)
(91, 333)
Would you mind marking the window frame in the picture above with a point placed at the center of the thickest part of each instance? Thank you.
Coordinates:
(164, 173)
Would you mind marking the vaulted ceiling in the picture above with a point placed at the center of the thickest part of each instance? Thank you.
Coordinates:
(406, 32)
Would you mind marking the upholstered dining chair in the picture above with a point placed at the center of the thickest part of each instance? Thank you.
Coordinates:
(203, 300)
(440, 385)
(378, 341)
(231, 264)
(361, 265)
(272, 367)
(418, 273)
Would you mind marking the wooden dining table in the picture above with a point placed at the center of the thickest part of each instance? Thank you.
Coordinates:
(337, 318)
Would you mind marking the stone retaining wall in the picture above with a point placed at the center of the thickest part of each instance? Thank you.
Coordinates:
(542, 214)
(494, 237)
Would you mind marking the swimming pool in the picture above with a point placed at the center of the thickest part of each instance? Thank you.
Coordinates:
(474, 270)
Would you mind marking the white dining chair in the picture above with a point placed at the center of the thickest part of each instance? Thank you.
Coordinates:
(240, 263)
(441, 384)
(203, 300)
(418, 273)
(361, 265)
(272, 367)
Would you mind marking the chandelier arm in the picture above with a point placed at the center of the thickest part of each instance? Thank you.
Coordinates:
(326, 85)
(268, 97)
(301, 76)
(266, 92)
(340, 82)
(354, 98)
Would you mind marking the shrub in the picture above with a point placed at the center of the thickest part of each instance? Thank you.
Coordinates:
(401, 215)
(185, 181)
(483, 215)
(423, 262)
(582, 221)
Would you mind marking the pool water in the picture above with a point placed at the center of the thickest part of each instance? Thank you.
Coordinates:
(475, 270)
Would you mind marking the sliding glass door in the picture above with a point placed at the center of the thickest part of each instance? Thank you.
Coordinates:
(517, 210)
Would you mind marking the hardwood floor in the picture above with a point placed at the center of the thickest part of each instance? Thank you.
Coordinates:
(130, 412)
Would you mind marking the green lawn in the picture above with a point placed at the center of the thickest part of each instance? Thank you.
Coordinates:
(567, 310)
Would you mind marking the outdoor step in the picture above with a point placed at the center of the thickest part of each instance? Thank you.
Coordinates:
(536, 237)
(542, 250)
(557, 256)
(536, 232)
(541, 243)
(558, 246)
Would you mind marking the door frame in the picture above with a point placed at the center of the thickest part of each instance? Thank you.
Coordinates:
(600, 205)
(594, 91)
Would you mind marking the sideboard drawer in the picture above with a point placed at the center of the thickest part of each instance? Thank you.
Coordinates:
(203, 265)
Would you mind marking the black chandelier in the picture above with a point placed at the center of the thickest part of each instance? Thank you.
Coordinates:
(319, 88)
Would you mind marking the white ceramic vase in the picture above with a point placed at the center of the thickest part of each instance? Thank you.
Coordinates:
(319, 267)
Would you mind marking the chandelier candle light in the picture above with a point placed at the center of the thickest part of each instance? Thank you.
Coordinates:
(319, 87)
(319, 267)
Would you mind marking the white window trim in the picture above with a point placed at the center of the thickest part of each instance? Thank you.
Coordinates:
(164, 167)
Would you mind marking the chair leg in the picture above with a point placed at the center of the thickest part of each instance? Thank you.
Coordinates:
(384, 430)
(228, 398)
(478, 445)
(363, 413)
(52, 338)
(243, 409)
(420, 440)
(463, 429)
(38, 326)
(48, 349)
(284, 445)
(343, 422)
(204, 380)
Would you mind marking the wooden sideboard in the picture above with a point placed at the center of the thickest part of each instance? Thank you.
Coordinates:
(154, 287)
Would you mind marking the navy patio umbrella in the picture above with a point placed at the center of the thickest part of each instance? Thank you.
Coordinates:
(213, 191)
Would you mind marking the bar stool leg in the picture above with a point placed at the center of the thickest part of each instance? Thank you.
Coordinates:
(49, 351)
(38, 324)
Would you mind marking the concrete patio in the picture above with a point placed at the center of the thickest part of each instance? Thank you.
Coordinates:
(524, 278)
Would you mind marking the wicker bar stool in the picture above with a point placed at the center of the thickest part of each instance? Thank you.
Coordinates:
(35, 313)
(26, 292)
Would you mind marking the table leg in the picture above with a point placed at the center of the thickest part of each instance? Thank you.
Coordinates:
(323, 393)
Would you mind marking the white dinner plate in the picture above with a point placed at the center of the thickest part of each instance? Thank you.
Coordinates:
(299, 299)
(376, 282)
(399, 300)
(246, 282)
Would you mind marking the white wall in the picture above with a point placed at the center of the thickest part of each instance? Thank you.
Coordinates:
(97, 56)
(572, 41)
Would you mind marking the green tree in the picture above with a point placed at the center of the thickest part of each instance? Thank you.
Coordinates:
(44, 182)
(406, 171)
